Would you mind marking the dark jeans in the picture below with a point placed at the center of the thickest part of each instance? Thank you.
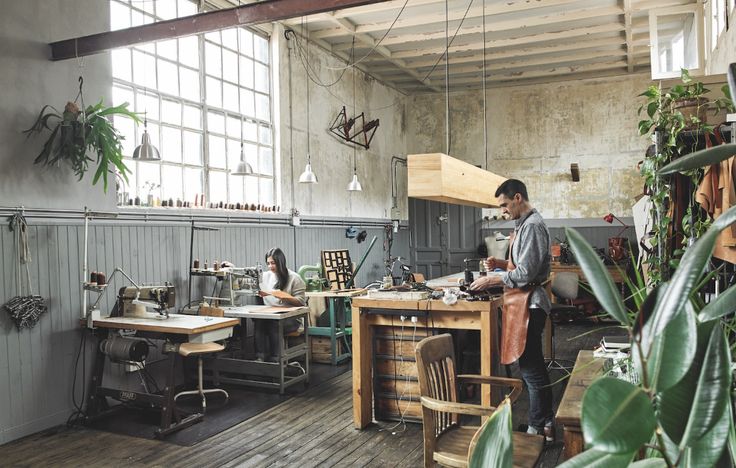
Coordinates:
(534, 372)
(267, 334)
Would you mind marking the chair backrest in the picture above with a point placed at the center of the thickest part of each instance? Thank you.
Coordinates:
(565, 284)
(211, 311)
(436, 370)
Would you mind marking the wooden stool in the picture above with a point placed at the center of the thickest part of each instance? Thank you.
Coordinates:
(198, 349)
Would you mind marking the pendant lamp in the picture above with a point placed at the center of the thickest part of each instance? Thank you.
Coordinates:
(307, 177)
(243, 168)
(146, 151)
(354, 185)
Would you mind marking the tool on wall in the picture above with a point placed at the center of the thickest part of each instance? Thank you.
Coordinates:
(25, 310)
(354, 129)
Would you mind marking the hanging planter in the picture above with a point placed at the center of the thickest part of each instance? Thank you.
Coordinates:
(78, 132)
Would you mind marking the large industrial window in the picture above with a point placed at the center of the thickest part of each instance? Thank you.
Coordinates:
(200, 95)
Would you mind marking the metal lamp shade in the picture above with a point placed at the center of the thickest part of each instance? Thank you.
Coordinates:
(308, 177)
(354, 185)
(243, 169)
(146, 151)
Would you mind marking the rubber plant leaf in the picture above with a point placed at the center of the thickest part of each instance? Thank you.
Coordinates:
(617, 416)
(692, 266)
(597, 276)
(692, 407)
(493, 444)
(592, 458)
(698, 159)
(722, 305)
(649, 463)
(709, 448)
(673, 351)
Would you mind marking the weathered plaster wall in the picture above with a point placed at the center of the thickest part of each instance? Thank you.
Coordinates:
(536, 132)
(332, 159)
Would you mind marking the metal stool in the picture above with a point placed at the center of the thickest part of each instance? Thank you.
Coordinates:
(198, 349)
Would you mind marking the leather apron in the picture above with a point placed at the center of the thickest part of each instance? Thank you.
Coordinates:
(515, 319)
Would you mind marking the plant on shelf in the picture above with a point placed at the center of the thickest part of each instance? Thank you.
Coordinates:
(78, 131)
(669, 114)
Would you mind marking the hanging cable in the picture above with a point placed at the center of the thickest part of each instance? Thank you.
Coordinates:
(305, 28)
(485, 113)
(447, 46)
(447, 77)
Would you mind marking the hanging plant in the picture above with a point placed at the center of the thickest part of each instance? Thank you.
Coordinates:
(78, 132)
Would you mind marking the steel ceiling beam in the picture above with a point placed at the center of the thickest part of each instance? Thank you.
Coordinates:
(253, 13)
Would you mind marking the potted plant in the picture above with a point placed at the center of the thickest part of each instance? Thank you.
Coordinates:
(76, 132)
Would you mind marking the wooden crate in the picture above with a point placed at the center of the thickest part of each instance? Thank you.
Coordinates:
(320, 346)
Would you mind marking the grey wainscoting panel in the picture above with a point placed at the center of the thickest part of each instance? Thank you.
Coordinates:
(37, 366)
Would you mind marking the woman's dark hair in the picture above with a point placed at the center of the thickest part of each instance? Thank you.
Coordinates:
(511, 187)
(282, 272)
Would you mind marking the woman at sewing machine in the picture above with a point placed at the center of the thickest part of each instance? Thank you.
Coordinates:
(279, 287)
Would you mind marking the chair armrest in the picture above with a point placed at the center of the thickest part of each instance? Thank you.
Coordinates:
(492, 380)
(460, 408)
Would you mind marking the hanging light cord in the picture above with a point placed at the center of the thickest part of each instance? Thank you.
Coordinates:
(305, 23)
(291, 131)
(447, 78)
(447, 46)
(355, 147)
(485, 113)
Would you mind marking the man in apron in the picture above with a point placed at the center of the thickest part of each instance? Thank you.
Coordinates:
(526, 303)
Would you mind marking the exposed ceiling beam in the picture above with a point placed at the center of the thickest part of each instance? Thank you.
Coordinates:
(493, 26)
(629, 42)
(254, 13)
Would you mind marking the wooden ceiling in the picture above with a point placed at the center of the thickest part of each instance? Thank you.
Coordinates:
(402, 43)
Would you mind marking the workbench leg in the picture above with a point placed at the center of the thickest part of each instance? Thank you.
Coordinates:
(362, 379)
(486, 343)
(280, 351)
(95, 403)
(168, 409)
(333, 330)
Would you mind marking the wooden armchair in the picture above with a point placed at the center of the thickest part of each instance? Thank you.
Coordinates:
(446, 441)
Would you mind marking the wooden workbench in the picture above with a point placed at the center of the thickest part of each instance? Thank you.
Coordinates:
(613, 270)
(464, 315)
(587, 368)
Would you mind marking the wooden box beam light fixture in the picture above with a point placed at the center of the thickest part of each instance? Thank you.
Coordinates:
(439, 177)
(252, 13)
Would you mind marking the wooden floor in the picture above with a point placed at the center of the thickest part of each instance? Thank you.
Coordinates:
(309, 430)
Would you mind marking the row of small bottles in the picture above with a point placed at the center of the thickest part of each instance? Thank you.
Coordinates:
(215, 265)
(98, 278)
(170, 203)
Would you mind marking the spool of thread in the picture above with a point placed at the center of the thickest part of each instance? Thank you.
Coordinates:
(195, 265)
(101, 279)
(216, 265)
(205, 264)
(93, 277)
(468, 276)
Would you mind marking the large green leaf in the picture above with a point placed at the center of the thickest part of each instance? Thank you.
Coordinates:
(708, 449)
(731, 430)
(649, 463)
(597, 275)
(691, 408)
(724, 304)
(700, 159)
(692, 265)
(596, 459)
(673, 351)
(494, 446)
(617, 416)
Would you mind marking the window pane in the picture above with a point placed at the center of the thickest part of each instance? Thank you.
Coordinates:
(192, 147)
(172, 183)
(192, 117)
(119, 16)
(233, 127)
(251, 189)
(148, 179)
(263, 109)
(171, 112)
(264, 135)
(262, 84)
(147, 104)
(166, 10)
(121, 95)
(136, 18)
(189, 51)
(266, 192)
(214, 92)
(247, 106)
(213, 36)
(246, 72)
(218, 186)
(265, 163)
(192, 183)
(217, 152)
(250, 131)
(230, 66)
(230, 38)
(212, 59)
(260, 46)
(215, 122)
(153, 132)
(237, 189)
(131, 185)
(167, 49)
(186, 8)
(230, 97)
(144, 69)
(251, 156)
(121, 64)
(148, 7)
(126, 127)
(246, 42)
(233, 154)
(168, 78)
(171, 144)
(189, 80)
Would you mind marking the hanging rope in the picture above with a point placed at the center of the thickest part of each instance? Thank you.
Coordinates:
(485, 112)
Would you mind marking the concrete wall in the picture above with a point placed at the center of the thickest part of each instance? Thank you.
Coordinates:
(536, 132)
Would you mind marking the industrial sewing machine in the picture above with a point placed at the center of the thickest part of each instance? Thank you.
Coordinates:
(134, 300)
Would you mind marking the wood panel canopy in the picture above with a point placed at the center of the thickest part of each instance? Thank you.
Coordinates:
(439, 177)
(253, 13)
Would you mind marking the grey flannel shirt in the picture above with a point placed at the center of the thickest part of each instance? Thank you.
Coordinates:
(531, 255)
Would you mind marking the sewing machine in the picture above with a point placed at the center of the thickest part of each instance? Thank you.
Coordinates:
(133, 301)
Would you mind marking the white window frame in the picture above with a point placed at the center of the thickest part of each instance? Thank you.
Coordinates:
(697, 10)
